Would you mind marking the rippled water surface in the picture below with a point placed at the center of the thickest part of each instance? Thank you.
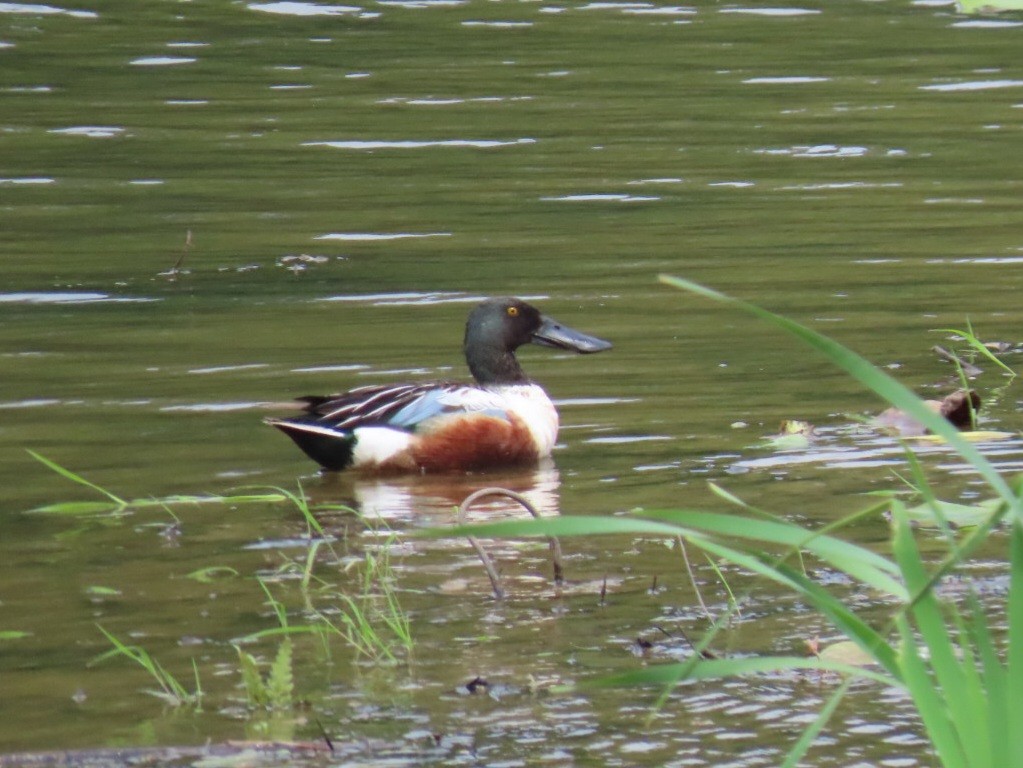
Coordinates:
(207, 209)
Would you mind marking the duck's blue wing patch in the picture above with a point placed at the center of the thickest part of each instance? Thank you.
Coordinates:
(438, 402)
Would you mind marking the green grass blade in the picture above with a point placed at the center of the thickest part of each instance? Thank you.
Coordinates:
(966, 720)
(970, 338)
(929, 702)
(574, 525)
(879, 382)
(76, 478)
(813, 729)
(858, 562)
(995, 683)
(74, 508)
(1015, 644)
(712, 669)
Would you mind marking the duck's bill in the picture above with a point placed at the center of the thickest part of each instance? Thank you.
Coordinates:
(553, 334)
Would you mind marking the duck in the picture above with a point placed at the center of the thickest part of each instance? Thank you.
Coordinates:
(501, 418)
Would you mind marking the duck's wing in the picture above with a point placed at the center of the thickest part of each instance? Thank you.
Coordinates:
(400, 406)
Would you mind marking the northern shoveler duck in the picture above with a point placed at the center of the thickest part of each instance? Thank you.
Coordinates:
(503, 418)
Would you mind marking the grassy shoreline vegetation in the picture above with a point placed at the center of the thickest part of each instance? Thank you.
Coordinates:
(965, 682)
(341, 595)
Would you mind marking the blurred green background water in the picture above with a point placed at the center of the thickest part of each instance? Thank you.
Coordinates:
(208, 208)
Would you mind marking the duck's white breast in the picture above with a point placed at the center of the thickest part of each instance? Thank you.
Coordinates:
(531, 404)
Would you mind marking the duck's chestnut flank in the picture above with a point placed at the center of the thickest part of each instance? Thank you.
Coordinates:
(501, 419)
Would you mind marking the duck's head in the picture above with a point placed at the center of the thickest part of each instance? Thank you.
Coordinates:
(497, 327)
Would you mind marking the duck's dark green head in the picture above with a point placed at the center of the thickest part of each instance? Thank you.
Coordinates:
(497, 327)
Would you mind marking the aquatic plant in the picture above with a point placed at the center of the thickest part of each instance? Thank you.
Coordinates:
(115, 506)
(371, 620)
(965, 684)
(170, 690)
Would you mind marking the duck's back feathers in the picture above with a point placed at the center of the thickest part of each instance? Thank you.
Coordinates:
(440, 426)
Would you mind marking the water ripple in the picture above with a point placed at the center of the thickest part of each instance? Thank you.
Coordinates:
(29, 180)
(305, 9)
(411, 144)
(973, 85)
(162, 61)
(91, 131)
(786, 80)
(376, 236)
(772, 11)
(602, 197)
(45, 10)
(66, 297)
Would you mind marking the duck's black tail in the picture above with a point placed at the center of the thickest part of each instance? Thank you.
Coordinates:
(331, 448)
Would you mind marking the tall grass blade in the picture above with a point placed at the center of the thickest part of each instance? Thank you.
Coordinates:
(1015, 644)
(929, 702)
(76, 478)
(813, 730)
(970, 338)
(994, 681)
(965, 721)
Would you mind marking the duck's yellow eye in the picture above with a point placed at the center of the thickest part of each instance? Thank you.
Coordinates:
(513, 311)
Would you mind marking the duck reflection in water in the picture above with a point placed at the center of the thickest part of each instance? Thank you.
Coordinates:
(425, 500)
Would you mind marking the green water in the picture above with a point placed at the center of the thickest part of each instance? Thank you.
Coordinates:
(298, 204)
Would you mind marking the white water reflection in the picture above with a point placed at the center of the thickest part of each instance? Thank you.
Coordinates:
(772, 11)
(786, 80)
(818, 150)
(29, 180)
(162, 61)
(362, 237)
(213, 407)
(424, 498)
(229, 368)
(987, 24)
(46, 10)
(305, 9)
(498, 24)
(90, 131)
(974, 85)
(425, 298)
(602, 197)
(445, 102)
(66, 297)
(412, 144)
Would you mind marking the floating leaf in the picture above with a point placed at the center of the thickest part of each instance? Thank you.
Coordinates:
(13, 634)
(208, 575)
(97, 591)
(977, 436)
(989, 6)
(957, 515)
(846, 652)
(792, 435)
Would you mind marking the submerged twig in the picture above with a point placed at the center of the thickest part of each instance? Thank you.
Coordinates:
(488, 563)
(968, 368)
(692, 578)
